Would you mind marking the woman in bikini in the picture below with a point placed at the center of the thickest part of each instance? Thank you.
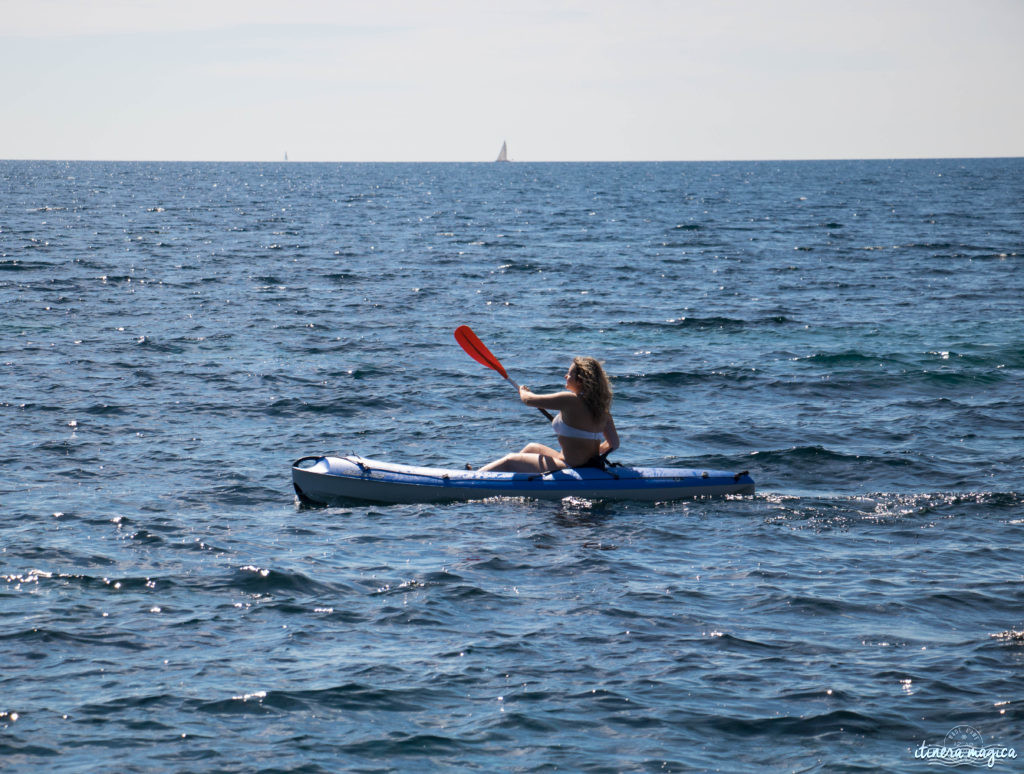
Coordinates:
(584, 424)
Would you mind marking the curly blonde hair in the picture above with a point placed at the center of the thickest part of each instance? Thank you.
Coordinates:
(595, 389)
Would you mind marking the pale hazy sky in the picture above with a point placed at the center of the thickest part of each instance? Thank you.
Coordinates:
(397, 80)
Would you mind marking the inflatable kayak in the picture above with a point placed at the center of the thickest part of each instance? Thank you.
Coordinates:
(323, 480)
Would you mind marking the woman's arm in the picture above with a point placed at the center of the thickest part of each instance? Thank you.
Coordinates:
(611, 437)
(554, 400)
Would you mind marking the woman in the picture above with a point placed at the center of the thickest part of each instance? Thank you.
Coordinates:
(584, 423)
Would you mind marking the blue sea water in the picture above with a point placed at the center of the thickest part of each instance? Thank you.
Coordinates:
(176, 334)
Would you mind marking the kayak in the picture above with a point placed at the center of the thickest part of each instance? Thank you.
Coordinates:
(324, 480)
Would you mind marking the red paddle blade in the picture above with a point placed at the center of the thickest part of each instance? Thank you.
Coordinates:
(476, 349)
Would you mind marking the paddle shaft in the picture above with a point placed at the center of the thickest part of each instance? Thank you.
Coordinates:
(542, 411)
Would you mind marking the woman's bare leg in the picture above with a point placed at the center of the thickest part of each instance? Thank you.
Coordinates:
(539, 448)
(527, 461)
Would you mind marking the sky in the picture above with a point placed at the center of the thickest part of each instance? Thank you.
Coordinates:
(560, 80)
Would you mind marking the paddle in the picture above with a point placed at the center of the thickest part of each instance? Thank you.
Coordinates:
(476, 350)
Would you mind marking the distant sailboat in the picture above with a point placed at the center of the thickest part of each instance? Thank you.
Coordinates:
(503, 153)
(286, 155)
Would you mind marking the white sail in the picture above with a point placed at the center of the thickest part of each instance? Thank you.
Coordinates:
(503, 153)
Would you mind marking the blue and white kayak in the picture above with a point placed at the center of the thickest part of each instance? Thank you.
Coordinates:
(324, 480)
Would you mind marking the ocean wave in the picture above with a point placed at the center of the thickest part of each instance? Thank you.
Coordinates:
(803, 454)
(351, 696)
(51, 637)
(295, 407)
(406, 744)
(851, 357)
(733, 643)
(822, 725)
(884, 505)
(716, 323)
(21, 264)
(734, 376)
(253, 580)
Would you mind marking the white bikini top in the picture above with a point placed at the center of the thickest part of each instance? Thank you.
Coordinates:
(567, 431)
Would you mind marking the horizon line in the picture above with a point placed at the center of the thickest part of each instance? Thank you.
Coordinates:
(512, 163)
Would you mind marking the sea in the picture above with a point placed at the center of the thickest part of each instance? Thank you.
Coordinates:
(176, 335)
